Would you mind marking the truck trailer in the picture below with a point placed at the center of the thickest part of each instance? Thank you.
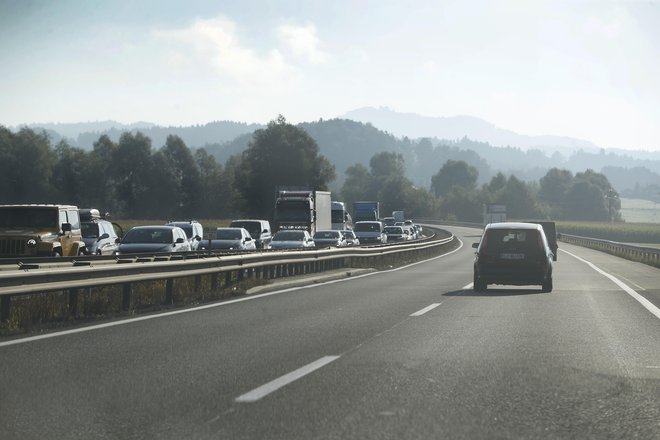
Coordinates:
(366, 211)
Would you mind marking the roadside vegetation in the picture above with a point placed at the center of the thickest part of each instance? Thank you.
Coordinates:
(637, 233)
(132, 179)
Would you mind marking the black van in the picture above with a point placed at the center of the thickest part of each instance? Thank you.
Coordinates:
(513, 253)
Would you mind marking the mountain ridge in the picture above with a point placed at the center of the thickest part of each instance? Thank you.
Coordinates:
(415, 126)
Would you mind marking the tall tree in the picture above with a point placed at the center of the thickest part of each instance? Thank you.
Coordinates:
(281, 155)
(183, 175)
(554, 186)
(133, 173)
(518, 198)
(454, 173)
(585, 201)
(29, 167)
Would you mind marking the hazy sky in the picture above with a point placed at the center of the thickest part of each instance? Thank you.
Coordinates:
(585, 69)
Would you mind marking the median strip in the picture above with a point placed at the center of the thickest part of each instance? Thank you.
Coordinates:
(270, 387)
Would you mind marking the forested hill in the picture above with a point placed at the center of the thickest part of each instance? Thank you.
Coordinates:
(83, 135)
(346, 142)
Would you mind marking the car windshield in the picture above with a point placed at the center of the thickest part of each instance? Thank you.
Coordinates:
(512, 239)
(148, 235)
(187, 228)
(326, 234)
(348, 234)
(393, 230)
(289, 236)
(90, 229)
(337, 216)
(367, 227)
(228, 234)
(254, 228)
(28, 217)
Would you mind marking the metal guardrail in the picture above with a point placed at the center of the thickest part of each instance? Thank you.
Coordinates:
(646, 255)
(221, 270)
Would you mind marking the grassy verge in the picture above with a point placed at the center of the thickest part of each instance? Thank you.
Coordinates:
(647, 233)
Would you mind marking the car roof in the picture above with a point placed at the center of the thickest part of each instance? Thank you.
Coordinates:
(513, 225)
(156, 227)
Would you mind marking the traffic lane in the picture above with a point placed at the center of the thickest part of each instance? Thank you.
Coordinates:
(642, 278)
(508, 363)
(170, 376)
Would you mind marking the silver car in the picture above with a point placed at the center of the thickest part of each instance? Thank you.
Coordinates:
(331, 238)
(154, 239)
(292, 239)
(230, 239)
(350, 238)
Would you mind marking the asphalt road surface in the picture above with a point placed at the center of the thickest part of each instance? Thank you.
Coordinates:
(412, 353)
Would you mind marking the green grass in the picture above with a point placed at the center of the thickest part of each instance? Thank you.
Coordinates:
(646, 233)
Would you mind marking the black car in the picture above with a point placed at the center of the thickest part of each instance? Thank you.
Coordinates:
(513, 253)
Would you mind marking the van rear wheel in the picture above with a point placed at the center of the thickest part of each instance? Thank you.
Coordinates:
(478, 284)
(547, 285)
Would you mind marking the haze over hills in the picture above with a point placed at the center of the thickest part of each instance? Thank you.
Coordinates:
(415, 126)
(426, 143)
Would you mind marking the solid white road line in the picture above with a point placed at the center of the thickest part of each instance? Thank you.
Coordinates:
(425, 309)
(278, 383)
(648, 305)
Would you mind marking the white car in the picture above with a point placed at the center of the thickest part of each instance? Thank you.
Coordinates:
(231, 239)
(292, 239)
(350, 238)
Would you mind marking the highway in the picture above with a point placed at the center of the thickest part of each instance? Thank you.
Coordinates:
(412, 353)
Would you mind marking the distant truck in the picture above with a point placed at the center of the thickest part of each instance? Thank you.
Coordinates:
(366, 211)
(399, 216)
(40, 231)
(341, 219)
(306, 209)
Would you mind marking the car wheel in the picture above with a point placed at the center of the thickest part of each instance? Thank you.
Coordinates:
(547, 285)
(479, 285)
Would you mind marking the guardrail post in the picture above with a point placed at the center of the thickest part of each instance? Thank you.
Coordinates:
(198, 283)
(169, 291)
(227, 278)
(73, 302)
(127, 296)
(214, 281)
(4, 308)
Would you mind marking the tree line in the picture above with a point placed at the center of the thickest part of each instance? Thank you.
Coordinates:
(132, 179)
